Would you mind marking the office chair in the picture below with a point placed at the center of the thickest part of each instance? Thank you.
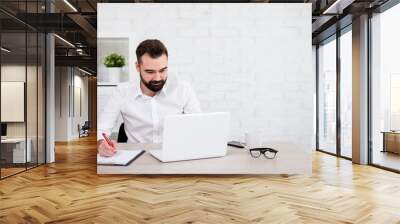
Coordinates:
(121, 134)
(84, 129)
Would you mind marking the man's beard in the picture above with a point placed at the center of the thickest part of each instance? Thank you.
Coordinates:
(154, 86)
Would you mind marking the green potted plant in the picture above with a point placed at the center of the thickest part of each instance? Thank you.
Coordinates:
(114, 62)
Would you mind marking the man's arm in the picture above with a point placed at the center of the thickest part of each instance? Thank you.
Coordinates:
(109, 115)
(107, 119)
(192, 103)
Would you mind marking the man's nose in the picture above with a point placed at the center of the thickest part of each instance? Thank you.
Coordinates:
(158, 76)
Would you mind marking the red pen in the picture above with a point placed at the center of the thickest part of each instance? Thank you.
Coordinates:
(109, 142)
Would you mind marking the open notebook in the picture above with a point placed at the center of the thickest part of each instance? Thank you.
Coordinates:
(121, 157)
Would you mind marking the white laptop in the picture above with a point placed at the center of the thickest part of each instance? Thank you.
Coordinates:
(194, 136)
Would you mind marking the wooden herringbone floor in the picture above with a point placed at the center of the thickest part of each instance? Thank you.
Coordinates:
(70, 191)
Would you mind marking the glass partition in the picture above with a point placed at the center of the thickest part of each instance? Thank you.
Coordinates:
(22, 77)
(41, 88)
(31, 98)
(346, 94)
(327, 96)
(385, 89)
(13, 95)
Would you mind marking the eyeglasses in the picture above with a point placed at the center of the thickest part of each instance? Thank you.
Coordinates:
(268, 153)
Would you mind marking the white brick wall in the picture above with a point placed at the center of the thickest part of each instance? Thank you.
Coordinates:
(254, 60)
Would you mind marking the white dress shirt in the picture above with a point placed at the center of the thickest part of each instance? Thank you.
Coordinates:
(143, 115)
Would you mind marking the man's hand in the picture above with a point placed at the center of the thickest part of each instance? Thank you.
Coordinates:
(106, 150)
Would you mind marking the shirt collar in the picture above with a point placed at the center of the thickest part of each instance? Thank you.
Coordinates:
(164, 90)
(138, 91)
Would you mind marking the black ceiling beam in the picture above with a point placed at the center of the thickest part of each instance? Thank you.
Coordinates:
(17, 22)
(91, 5)
(85, 25)
(331, 30)
(87, 51)
(49, 22)
(385, 5)
(8, 24)
(57, 22)
(322, 24)
(75, 61)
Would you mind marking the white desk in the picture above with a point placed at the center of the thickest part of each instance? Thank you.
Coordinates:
(19, 149)
(237, 161)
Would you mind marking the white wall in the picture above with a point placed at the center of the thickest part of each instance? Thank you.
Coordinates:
(12, 100)
(314, 70)
(80, 82)
(66, 121)
(61, 103)
(253, 60)
(108, 46)
(33, 126)
(16, 72)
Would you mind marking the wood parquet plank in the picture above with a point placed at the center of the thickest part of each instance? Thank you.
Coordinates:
(70, 191)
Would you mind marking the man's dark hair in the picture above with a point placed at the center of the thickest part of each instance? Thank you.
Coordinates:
(153, 47)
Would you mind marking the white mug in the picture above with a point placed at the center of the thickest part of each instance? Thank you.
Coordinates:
(253, 139)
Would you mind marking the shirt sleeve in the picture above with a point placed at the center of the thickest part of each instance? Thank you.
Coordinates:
(192, 104)
(109, 115)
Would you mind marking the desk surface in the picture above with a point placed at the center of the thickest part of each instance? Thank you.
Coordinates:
(13, 140)
(237, 161)
(390, 132)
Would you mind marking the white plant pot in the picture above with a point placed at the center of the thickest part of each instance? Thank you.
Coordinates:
(114, 74)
